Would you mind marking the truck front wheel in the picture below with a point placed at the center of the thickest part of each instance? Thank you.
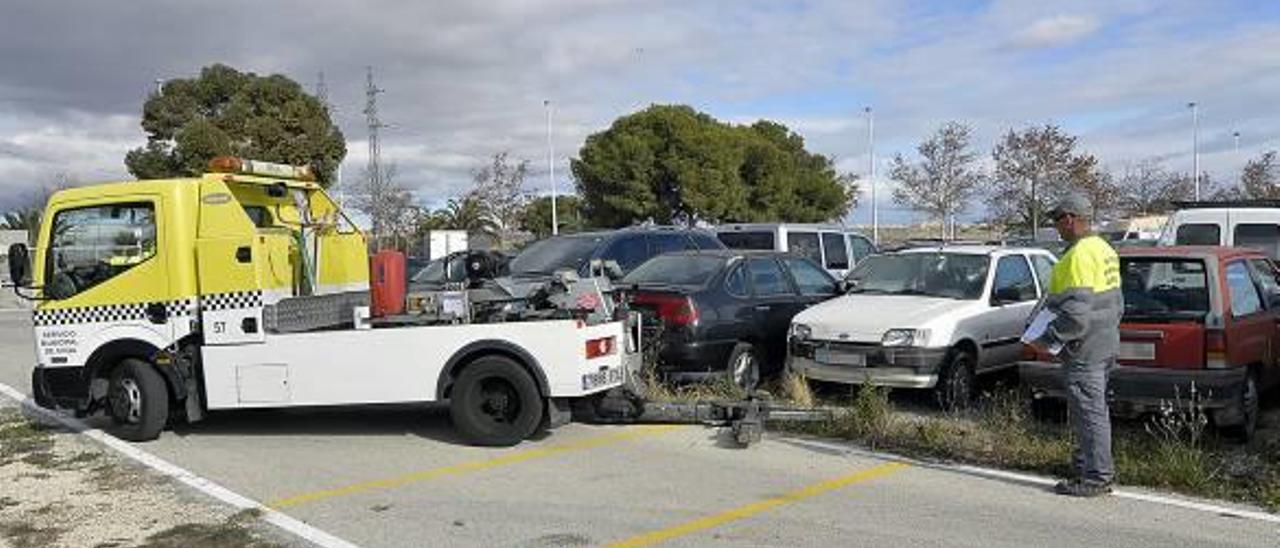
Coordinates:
(495, 402)
(137, 400)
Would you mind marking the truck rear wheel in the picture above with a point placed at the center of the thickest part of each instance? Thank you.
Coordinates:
(495, 402)
(137, 401)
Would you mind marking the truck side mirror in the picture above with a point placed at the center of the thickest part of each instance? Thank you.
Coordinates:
(19, 265)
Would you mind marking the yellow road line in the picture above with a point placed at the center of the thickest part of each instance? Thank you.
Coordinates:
(758, 507)
(472, 466)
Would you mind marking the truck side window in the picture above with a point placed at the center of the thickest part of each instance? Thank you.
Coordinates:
(1241, 292)
(1198, 234)
(804, 244)
(91, 245)
(837, 256)
(1263, 237)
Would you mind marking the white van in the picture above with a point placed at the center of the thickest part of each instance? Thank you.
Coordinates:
(1135, 229)
(1246, 223)
(834, 247)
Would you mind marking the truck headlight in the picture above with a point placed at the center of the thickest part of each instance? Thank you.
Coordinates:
(801, 332)
(905, 337)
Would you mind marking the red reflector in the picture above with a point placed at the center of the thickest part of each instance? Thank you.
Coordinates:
(600, 347)
(674, 309)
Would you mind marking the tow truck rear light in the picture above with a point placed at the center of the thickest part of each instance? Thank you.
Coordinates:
(1215, 349)
(676, 310)
(601, 347)
(240, 166)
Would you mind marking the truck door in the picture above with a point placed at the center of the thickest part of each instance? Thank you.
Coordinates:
(228, 255)
(105, 266)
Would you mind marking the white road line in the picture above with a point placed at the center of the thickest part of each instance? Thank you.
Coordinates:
(281, 520)
(1040, 481)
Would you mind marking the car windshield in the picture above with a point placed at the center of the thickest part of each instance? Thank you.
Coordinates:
(676, 270)
(548, 256)
(433, 272)
(1162, 288)
(948, 275)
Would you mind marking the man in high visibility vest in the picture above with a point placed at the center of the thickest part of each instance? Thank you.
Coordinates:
(1084, 294)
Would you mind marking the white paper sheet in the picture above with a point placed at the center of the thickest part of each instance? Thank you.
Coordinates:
(1037, 328)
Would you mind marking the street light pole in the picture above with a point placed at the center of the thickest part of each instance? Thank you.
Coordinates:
(551, 171)
(871, 174)
(1195, 145)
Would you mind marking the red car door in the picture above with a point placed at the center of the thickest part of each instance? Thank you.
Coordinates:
(1267, 277)
(1251, 328)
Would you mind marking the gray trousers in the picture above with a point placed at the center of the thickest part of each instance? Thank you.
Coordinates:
(1091, 419)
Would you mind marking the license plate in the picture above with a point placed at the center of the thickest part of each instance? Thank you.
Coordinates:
(825, 355)
(606, 377)
(1137, 351)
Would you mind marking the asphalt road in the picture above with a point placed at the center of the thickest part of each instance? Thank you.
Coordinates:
(400, 477)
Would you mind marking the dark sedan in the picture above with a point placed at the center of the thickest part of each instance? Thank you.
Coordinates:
(725, 312)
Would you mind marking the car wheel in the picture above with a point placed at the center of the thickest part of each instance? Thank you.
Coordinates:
(1248, 404)
(743, 368)
(137, 401)
(495, 402)
(954, 390)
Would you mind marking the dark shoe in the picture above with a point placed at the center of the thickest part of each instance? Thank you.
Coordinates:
(1082, 488)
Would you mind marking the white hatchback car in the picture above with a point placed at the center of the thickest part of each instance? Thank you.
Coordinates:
(923, 318)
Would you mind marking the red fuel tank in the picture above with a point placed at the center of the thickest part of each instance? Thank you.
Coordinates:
(387, 283)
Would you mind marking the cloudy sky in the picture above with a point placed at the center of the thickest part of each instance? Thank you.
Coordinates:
(465, 80)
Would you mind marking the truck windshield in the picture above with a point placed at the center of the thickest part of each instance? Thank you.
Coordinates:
(1159, 288)
(948, 275)
(548, 256)
(676, 270)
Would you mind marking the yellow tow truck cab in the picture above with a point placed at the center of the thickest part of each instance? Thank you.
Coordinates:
(249, 287)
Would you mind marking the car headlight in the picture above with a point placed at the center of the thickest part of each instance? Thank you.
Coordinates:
(800, 332)
(905, 337)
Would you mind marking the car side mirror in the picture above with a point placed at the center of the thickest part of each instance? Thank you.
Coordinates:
(1006, 295)
(19, 265)
(842, 287)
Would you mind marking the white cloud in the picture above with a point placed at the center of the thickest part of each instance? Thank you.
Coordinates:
(1056, 31)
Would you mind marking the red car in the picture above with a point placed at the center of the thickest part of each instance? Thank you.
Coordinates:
(1207, 317)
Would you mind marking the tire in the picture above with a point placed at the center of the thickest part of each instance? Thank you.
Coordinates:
(137, 401)
(40, 393)
(954, 390)
(1248, 408)
(743, 366)
(495, 402)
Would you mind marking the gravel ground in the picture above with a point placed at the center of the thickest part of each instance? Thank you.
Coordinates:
(58, 488)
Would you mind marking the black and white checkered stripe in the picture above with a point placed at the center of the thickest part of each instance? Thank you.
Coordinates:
(112, 313)
(231, 301)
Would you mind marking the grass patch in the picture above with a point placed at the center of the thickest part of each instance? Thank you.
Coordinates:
(26, 535)
(23, 440)
(231, 533)
(1171, 450)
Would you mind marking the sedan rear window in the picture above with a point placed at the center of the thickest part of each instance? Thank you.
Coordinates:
(676, 270)
(1164, 288)
(760, 240)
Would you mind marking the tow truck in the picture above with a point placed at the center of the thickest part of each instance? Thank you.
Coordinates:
(159, 301)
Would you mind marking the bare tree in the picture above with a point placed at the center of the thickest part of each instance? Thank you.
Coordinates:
(1146, 188)
(386, 202)
(1261, 177)
(945, 179)
(499, 190)
(1034, 168)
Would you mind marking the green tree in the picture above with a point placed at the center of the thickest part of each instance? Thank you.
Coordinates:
(227, 112)
(536, 216)
(1036, 166)
(944, 180)
(466, 214)
(672, 164)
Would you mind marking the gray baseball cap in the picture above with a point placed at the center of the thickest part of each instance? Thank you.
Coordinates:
(1073, 203)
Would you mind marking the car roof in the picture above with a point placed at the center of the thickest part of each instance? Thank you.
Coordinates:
(733, 227)
(971, 249)
(631, 229)
(1196, 251)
